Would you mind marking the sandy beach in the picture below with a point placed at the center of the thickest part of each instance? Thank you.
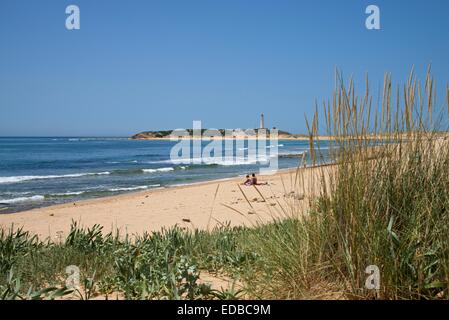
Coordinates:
(202, 205)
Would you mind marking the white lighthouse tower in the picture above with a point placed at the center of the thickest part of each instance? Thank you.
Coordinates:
(262, 122)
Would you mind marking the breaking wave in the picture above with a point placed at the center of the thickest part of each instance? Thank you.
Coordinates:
(23, 199)
(16, 179)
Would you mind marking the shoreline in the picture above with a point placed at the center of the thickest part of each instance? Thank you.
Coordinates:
(155, 189)
(200, 205)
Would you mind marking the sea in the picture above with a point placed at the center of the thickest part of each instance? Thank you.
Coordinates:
(37, 172)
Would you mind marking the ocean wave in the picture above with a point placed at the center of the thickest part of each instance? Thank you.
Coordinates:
(293, 153)
(166, 169)
(279, 145)
(246, 148)
(230, 161)
(233, 161)
(16, 193)
(100, 190)
(23, 199)
(134, 188)
(69, 193)
(16, 179)
(117, 162)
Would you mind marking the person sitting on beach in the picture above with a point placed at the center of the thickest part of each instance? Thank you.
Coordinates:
(248, 181)
(254, 181)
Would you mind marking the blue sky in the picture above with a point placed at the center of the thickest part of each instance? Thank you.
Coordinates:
(159, 64)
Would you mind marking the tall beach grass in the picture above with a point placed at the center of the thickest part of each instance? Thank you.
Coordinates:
(384, 202)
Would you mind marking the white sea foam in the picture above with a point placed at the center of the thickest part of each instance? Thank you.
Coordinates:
(233, 161)
(279, 145)
(295, 153)
(134, 188)
(14, 193)
(230, 161)
(167, 169)
(69, 193)
(23, 199)
(117, 162)
(16, 179)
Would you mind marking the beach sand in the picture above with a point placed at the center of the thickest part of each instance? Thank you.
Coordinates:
(203, 206)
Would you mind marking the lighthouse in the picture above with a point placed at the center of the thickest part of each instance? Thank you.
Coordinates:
(262, 122)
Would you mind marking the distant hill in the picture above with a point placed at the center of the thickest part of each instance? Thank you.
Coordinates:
(165, 134)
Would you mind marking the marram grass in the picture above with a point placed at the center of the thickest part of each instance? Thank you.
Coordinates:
(385, 202)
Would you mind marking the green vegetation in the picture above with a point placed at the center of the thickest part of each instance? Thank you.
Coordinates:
(161, 265)
(383, 204)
